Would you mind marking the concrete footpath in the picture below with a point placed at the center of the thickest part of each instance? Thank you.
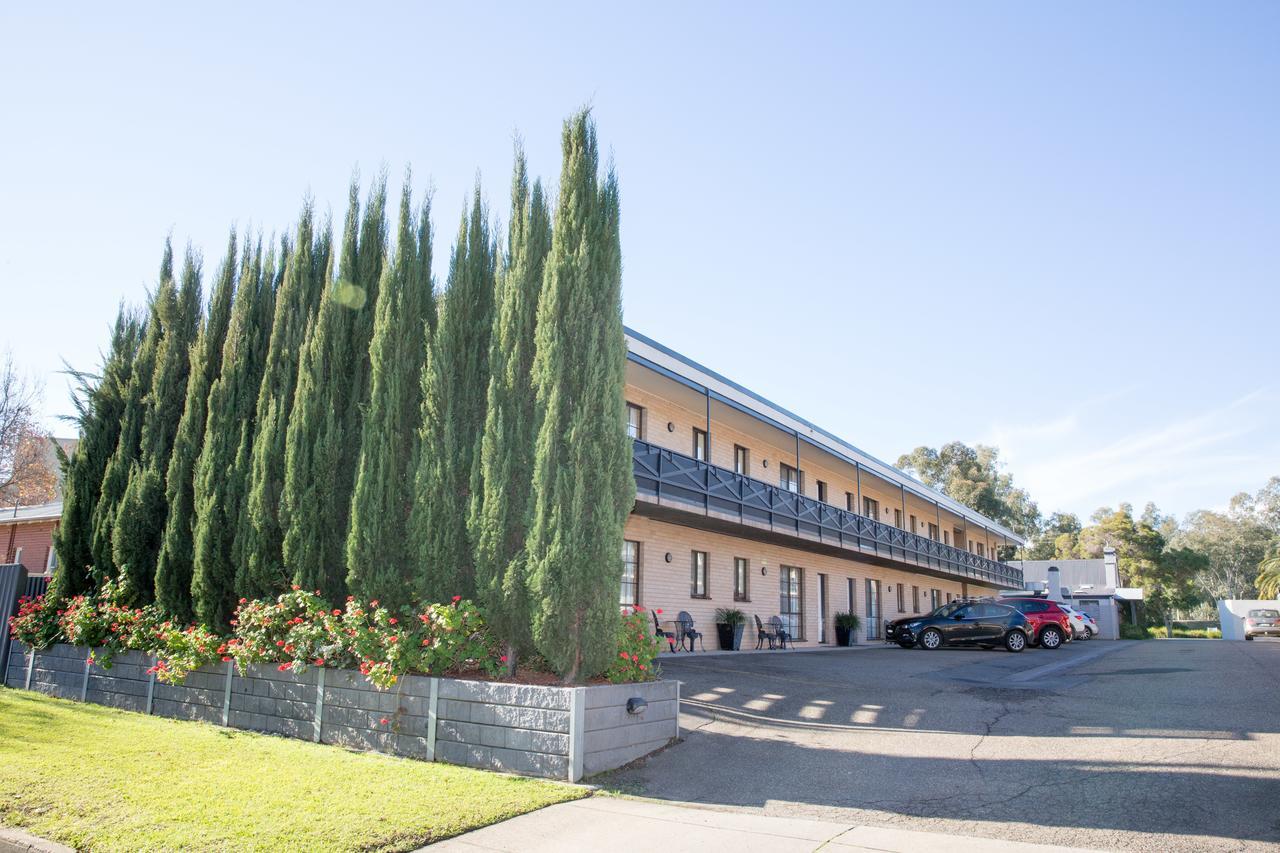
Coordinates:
(619, 824)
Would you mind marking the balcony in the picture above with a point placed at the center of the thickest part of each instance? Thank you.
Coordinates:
(753, 508)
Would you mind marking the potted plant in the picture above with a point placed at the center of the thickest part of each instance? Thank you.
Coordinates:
(846, 628)
(729, 626)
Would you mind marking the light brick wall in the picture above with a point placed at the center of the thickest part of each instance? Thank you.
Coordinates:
(668, 585)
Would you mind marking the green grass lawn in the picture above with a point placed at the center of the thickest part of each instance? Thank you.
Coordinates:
(97, 778)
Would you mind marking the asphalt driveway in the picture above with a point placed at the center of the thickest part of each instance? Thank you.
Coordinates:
(1157, 745)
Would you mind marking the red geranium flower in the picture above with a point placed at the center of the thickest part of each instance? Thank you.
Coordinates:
(383, 721)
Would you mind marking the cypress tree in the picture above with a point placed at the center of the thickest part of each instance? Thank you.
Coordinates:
(261, 571)
(140, 520)
(323, 432)
(99, 406)
(380, 563)
(582, 479)
(454, 387)
(499, 522)
(222, 469)
(174, 564)
(115, 478)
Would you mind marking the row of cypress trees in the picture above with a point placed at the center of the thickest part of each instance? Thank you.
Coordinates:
(332, 421)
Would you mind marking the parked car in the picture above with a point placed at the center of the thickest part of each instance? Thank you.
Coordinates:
(1079, 630)
(963, 623)
(1050, 624)
(1262, 623)
(1090, 624)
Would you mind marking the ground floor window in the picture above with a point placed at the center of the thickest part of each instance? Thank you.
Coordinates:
(902, 608)
(915, 599)
(791, 601)
(630, 574)
(935, 598)
(873, 609)
(698, 576)
(741, 579)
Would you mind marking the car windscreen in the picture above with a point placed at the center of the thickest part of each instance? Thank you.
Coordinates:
(1265, 614)
(948, 609)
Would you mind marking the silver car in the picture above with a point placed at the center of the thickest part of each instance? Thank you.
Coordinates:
(1262, 623)
(1079, 628)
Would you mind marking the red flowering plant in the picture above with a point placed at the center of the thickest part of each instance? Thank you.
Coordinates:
(105, 624)
(383, 645)
(456, 638)
(36, 622)
(296, 630)
(178, 651)
(638, 649)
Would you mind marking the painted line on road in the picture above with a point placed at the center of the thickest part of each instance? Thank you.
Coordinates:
(1051, 668)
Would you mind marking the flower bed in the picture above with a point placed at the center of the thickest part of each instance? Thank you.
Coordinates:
(553, 732)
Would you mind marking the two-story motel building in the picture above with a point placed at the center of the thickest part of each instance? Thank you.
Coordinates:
(742, 504)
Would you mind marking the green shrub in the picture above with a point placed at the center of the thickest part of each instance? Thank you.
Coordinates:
(847, 621)
(730, 616)
(638, 649)
(1133, 632)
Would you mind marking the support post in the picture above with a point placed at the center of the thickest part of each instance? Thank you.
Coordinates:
(577, 732)
(677, 736)
(84, 685)
(319, 714)
(151, 688)
(31, 666)
(226, 697)
(433, 714)
(707, 393)
(903, 489)
(857, 472)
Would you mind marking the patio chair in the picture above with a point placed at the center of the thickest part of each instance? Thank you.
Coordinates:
(669, 636)
(688, 632)
(784, 636)
(763, 634)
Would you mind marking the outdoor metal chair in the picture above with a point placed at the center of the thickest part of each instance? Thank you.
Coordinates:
(763, 634)
(784, 636)
(687, 631)
(658, 631)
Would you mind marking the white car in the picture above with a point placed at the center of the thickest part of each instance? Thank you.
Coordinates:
(1080, 629)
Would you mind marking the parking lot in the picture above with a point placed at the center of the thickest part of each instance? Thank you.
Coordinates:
(1157, 745)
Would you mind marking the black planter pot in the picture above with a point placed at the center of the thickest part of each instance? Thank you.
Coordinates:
(730, 636)
(843, 636)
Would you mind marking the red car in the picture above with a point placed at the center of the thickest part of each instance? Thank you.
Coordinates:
(1051, 626)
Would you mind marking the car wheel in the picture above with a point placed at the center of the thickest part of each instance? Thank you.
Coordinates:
(931, 639)
(1248, 636)
(1015, 641)
(1050, 637)
(1088, 634)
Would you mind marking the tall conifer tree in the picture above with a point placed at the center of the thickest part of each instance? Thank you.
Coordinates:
(99, 406)
(324, 431)
(222, 469)
(454, 389)
(174, 564)
(499, 520)
(140, 520)
(582, 480)
(380, 563)
(115, 478)
(262, 572)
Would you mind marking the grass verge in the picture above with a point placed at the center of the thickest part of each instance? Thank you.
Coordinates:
(99, 778)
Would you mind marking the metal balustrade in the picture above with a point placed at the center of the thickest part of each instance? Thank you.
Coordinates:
(666, 476)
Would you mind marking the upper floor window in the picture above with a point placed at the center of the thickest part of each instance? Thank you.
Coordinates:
(871, 508)
(822, 491)
(982, 551)
(701, 450)
(897, 518)
(933, 531)
(630, 594)
(790, 478)
(848, 502)
(741, 460)
(698, 576)
(635, 421)
(912, 528)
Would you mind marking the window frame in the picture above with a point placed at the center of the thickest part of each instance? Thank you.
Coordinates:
(822, 490)
(694, 575)
(701, 442)
(870, 508)
(797, 478)
(915, 599)
(635, 584)
(741, 579)
(741, 460)
(793, 619)
(639, 410)
(902, 601)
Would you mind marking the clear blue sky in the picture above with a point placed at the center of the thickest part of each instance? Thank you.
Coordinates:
(1053, 227)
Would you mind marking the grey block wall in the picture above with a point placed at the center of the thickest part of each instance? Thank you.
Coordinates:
(552, 732)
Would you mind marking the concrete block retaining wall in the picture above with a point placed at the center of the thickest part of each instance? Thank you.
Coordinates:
(553, 732)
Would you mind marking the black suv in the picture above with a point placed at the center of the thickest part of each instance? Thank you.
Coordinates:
(964, 623)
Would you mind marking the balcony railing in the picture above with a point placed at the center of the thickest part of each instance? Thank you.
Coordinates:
(670, 476)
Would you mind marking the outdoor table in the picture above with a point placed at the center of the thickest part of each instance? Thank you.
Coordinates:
(678, 629)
